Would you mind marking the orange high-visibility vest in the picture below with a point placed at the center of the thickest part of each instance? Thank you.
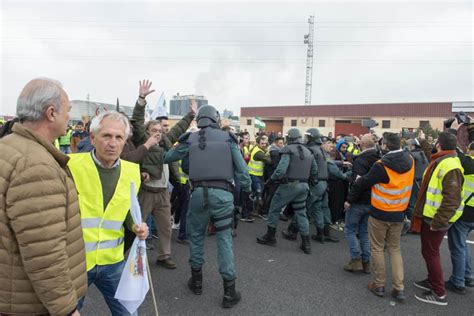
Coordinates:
(393, 196)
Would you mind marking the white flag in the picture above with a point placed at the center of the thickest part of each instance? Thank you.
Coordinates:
(160, 109)
(133, 284)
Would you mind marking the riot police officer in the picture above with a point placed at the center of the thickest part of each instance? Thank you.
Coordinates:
(213, 158)
(295, 169)
(318, 207)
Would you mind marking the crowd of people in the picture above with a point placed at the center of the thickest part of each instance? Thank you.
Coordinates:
(65, 197)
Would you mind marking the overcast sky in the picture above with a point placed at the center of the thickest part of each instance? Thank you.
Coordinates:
(240, 54)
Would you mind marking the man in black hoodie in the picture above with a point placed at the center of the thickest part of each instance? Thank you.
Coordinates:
(391, 180)
(357, 209)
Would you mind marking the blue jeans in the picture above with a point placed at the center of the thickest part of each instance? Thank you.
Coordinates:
(151, 225)
(106, 278)
(357, 218)
(460, 256)
(65, 149)
(257, 185)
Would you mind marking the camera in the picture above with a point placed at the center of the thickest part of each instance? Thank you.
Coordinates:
(462, 118)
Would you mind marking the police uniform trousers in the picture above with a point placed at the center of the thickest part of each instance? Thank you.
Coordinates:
(319, 205)
(294, 193)
(217, 206)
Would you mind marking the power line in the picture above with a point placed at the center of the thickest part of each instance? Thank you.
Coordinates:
(183, 42)
(243, 60)
(234, 25)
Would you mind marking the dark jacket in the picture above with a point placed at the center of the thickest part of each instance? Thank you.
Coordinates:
(362, 164)
(85, 145)
(468, 165)
(274, 152)
(132, 153)
(398, 161)
(153, 160)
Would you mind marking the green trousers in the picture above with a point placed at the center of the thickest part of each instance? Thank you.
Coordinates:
(218, 207)
(318, 205)
(294, 193)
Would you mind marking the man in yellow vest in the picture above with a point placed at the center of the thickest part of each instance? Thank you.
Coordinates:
(390, 180)
(103, 182)
(65, 141)
(439, 204)
(459, 232)
(258, 159)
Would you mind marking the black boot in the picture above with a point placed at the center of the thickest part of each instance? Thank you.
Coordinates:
(305, 244)
(291, 233)
(327, 235)
(231, 296)
(195, 282)
(268, 238)
(319, 236)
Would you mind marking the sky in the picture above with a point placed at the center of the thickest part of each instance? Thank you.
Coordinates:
(240, 54)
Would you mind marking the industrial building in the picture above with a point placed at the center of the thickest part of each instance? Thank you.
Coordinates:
(348, 118)
(179, 104)
(82, 108)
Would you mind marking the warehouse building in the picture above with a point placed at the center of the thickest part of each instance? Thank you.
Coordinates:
(350, 118)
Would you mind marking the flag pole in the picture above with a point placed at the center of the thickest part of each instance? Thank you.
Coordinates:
(151, 286)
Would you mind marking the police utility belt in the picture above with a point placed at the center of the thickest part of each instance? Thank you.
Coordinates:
(215, 184)
(297, 181)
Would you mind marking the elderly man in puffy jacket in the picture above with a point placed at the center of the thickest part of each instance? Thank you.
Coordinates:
(42, 258)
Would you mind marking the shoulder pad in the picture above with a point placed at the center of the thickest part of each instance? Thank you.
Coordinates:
(183, 138)
(285, 150)
(233, 137)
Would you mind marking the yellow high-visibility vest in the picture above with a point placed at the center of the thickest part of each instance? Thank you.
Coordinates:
(102, 229)
(255, 167)
(183, 177)
(353, 149)
(469, 188)
(434, 195)
(66, 139)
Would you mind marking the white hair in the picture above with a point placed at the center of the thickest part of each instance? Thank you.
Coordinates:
(113, 115)
(36, 96)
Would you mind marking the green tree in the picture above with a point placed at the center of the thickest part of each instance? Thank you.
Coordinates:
(429, 131)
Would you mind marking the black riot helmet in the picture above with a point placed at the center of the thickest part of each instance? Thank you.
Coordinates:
(314, 135)
(293, 136)
(208, 116)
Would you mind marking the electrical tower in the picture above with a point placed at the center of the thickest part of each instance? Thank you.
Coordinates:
(308, 39)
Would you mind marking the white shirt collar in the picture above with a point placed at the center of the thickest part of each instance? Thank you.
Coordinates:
(115, 165)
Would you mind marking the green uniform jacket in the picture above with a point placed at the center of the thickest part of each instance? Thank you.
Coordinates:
(153, 160)
(240, 167)
(282, 168)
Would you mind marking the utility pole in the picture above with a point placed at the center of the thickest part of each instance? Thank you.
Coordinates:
(88, 104)
(308, 39)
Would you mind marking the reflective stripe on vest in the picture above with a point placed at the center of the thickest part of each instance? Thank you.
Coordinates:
(255, 167)
(183, 177)
(393, 196)
(469, 188)
(102, 229)
(434, 196)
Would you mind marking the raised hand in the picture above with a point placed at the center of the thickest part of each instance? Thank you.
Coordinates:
(193, 107)
(144, 88)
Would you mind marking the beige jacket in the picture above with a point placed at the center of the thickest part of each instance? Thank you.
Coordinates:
(42, 258)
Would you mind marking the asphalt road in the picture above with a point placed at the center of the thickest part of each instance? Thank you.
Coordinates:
(282, 280)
